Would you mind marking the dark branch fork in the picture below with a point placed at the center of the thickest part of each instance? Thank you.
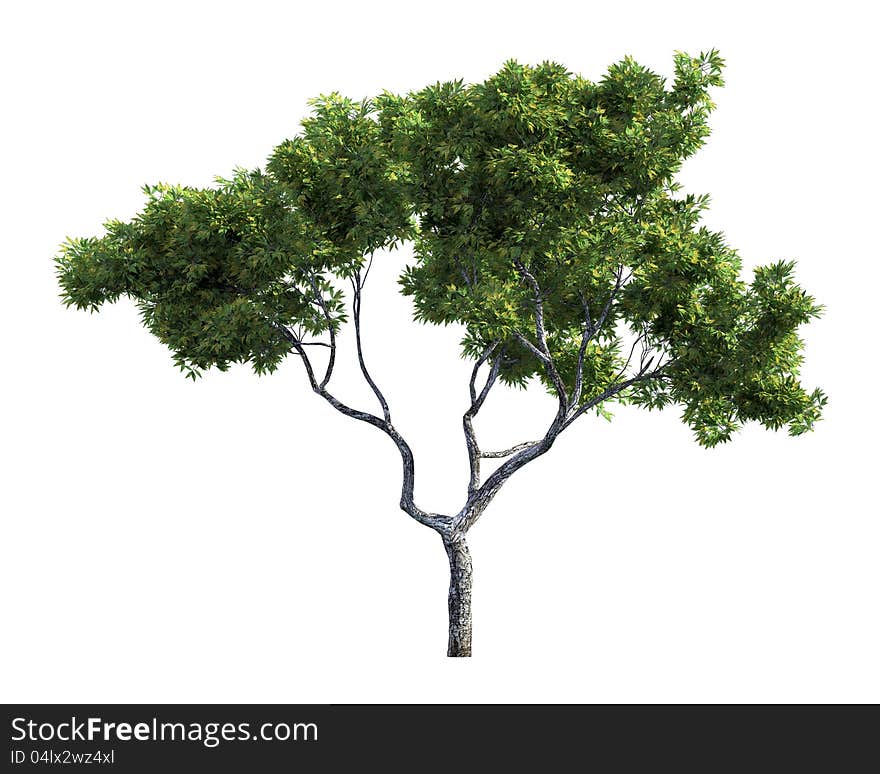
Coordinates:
(542, 351)
(477, 503)
(477, 401)
(591, 328)
(570, 408)
(438, 522)
(453, 529)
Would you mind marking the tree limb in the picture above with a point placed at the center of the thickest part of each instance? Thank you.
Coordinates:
(541, 336)
(531, 347)
(591, 328)
(357, 285)
(438, 522)
(477, 502)
(611, 391)
(477, 401)
(320, 299)
(507, 452)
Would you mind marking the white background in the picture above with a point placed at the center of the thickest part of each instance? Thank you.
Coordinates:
(236, 540)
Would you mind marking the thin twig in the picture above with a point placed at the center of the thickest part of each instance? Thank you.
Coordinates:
(591, 328)
(320, 299)
(611, 391)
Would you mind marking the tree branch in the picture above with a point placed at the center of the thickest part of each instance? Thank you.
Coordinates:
(477, 503)
(531, 347)
(542, 350)
(357, 285)
(613, 390)
(507, 452)
(320, 299)
(477, 401)
(590, 330)
(438, 522)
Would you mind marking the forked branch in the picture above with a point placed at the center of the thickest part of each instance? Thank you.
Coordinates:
(436, 521)
(477, 401)
(477, 503)
(542, 351)
(591, 328)
(330, 327)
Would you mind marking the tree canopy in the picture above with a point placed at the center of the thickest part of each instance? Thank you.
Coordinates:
(544, 218)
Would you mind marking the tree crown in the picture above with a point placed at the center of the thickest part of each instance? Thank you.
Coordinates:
(545, 220)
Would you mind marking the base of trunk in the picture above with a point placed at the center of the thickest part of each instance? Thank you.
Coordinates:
(460, 573)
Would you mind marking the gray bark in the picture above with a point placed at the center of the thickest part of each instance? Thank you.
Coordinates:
(460, 582)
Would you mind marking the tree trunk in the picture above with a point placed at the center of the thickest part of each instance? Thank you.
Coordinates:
(459, 596)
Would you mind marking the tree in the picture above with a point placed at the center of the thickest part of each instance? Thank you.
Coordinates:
(545, 220)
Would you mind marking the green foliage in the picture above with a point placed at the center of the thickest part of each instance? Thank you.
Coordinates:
(338, 174)
(213, 271)
(542, 168)
(537, 176)
(542, 171)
